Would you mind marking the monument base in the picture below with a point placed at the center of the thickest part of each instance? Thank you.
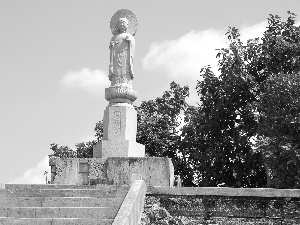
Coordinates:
(118, 148)
(155, 171)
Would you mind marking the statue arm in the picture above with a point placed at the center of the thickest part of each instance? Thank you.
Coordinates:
(131, 46)
(111, 60)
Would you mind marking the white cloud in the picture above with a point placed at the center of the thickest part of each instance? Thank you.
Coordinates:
(183, 58)
(93, 81)
(252, 31)
(35, 175)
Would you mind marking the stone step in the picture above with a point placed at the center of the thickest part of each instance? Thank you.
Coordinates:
(54, 221)
(113, 192)
(102, 187)
(59, 212)
(53, 186)
(59, 202)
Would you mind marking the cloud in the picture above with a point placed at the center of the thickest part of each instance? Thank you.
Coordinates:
(92, 81)
(252, 31)
(183, 58)
(35, 175)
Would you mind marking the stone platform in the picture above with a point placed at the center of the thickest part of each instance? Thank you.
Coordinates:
(155, 171)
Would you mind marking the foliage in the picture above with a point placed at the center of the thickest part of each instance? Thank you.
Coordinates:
(82, 149)
(256, 95)
(279, 130)
(158, 124)
(62, 151)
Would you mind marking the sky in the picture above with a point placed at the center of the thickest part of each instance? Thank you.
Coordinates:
(54, 60)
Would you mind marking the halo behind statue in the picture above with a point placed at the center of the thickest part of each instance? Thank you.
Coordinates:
(129, 15)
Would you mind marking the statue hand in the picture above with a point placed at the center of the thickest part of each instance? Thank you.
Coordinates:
(110, 73)
(131, 71)
(127, 38)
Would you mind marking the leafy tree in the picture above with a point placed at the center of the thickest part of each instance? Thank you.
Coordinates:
(278, 108)
(82, 149)
(235, 108)
(279, 130)
(62, 151)
(158, 125)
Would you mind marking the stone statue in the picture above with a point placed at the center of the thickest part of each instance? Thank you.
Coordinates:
(123, 25)
(121, 48)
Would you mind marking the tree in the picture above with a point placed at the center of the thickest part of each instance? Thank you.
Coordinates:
(234, 105)
(279, 130)
(278, 108)
(82, 149)
(159, 124)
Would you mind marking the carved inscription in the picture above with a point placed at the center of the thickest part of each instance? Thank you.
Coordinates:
(117, 123)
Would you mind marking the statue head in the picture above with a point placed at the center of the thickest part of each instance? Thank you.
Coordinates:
(125, 17)
(122, 25)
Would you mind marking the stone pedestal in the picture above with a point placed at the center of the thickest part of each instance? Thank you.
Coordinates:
(119, 133)
(155, 171)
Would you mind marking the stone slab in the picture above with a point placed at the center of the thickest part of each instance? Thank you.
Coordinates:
(109, 192)
(56, 221)
(155, 171)
(60, 202)
(46, 186)
(221, 191)
(118, 148)
(59, 212)
(76, 171)
(2, 186)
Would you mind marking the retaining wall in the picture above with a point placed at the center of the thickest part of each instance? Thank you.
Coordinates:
(222, 206)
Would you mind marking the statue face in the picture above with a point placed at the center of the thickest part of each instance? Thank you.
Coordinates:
(123, 25)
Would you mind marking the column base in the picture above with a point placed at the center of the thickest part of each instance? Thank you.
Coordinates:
(118, 148)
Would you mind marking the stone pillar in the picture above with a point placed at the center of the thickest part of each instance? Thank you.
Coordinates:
(119, 133)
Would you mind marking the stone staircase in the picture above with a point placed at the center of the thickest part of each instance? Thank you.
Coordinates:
(60, 204)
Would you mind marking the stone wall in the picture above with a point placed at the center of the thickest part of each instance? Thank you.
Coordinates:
(155, 171)
(234, 206)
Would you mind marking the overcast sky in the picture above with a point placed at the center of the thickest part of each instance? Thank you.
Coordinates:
(54, 63)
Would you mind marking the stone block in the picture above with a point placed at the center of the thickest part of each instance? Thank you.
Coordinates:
(112, 170)
(118, 148)
(64, 171)
(119, 133)
(77, 171)
(83, 167)
(120, 122)
(156, 171)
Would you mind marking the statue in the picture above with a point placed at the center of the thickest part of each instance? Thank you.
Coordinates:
(123, 25)
(121, 55)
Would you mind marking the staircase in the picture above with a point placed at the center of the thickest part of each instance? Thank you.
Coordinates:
(60, 204)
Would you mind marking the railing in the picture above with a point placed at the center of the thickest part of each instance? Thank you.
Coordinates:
(132, 207)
